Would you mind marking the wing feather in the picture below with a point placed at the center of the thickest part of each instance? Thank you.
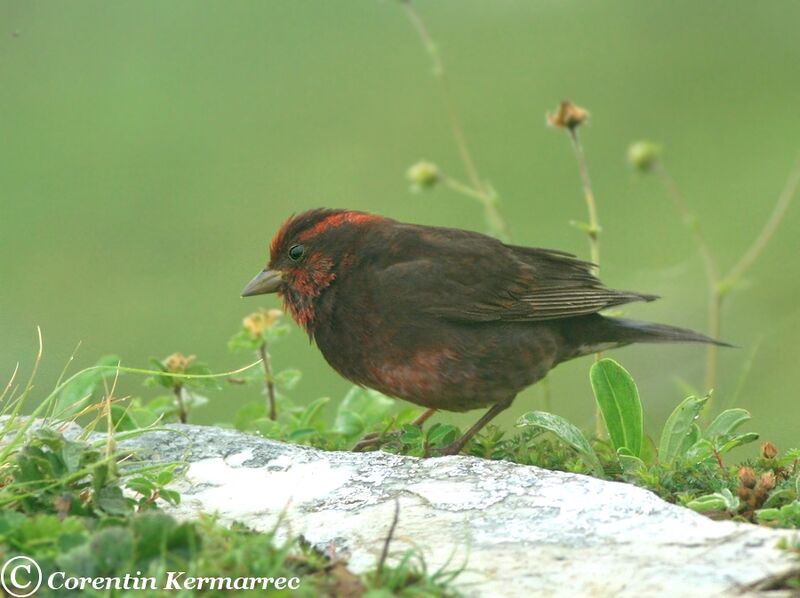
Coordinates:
(465, 276)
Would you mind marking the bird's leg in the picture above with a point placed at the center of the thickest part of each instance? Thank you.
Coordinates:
(374, 438)
(455, 447)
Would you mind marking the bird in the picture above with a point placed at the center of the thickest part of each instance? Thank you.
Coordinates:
(445, 318)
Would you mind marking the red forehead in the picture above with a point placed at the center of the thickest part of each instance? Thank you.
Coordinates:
(332, 220)
(335, 220)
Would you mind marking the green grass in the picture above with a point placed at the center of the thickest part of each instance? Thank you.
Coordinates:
(75, 503)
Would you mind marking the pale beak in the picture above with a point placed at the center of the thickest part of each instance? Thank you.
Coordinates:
(266, 281)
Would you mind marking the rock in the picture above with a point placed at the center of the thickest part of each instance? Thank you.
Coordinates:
(521, 531)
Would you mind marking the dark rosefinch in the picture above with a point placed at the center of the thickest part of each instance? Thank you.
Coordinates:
(444, 318)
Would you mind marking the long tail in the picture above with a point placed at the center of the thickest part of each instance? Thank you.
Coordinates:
(597, 333)
(635, 331)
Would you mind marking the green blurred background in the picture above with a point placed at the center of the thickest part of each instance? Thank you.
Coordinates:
(149, 150)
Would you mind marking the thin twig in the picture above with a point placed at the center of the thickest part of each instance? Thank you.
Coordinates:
(269, 382)
(593, 232)
(388, 540)
(477, 188)
(182, 415)
(690, 221)
(109, 420)
(10, 382)
(711, 269)
(755, 250)
(594, 222)
(439, 71)
(498, 225)
(720, 286)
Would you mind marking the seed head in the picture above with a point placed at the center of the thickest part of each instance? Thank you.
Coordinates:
(567, 116)
(423, 175)
(747, 477)
(769, 450)
(178, 362)
(767, 480)
(260, 321)
(644, 155)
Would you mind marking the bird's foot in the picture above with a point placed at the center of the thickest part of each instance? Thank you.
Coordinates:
(454, 448)
(375, 440)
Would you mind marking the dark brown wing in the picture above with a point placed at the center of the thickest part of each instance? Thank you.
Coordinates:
(465, 276)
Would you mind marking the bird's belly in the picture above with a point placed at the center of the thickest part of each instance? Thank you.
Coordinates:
(447, 367)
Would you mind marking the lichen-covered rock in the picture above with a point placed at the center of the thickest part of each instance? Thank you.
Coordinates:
(519, 531)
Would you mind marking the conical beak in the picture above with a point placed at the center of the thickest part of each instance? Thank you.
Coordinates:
(266, 281)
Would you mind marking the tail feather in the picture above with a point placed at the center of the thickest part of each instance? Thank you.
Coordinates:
(594, 333)
(634, 331)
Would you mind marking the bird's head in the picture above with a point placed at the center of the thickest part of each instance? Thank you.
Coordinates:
(307, 254)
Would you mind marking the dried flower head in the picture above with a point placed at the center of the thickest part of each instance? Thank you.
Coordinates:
(178, 362)
(423, 175)
(644, 155)
(767, 480)
(747, 477)
(259, 322)
(567, 116)
(769, 450)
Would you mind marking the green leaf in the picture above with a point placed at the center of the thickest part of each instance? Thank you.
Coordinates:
(111, 500)
(768, 515)
(71, 454)
(247, 414)
(411, 435)
(649, 453)
(113, 550)
(738, 440)
(718, 501)
(301, 433)
(267, 428)
(286, 380)
(199, 369)
(726, 422)
(565, 431)
(619, 403)
(313, 411)
(440, 435)
(78, 392)
(707, 503)
(630, 464)
(680, 432)
(360, 410)
(700, 451)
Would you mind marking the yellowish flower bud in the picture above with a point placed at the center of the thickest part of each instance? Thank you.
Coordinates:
(178, 362)
(769, 450)
(259, 322)
(644, 155)
(423, 175)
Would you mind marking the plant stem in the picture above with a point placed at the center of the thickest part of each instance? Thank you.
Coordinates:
(456, 127)
(477, 188)
(690, 222)
(778, 212)
(594, 223)
(109, 420)
(593, 233)
(182, 415)
(719, 286)
(498, 226)
(269, 382)
(388, 540)
(711, 269)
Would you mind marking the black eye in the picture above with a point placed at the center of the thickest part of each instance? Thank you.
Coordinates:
(296, 252)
